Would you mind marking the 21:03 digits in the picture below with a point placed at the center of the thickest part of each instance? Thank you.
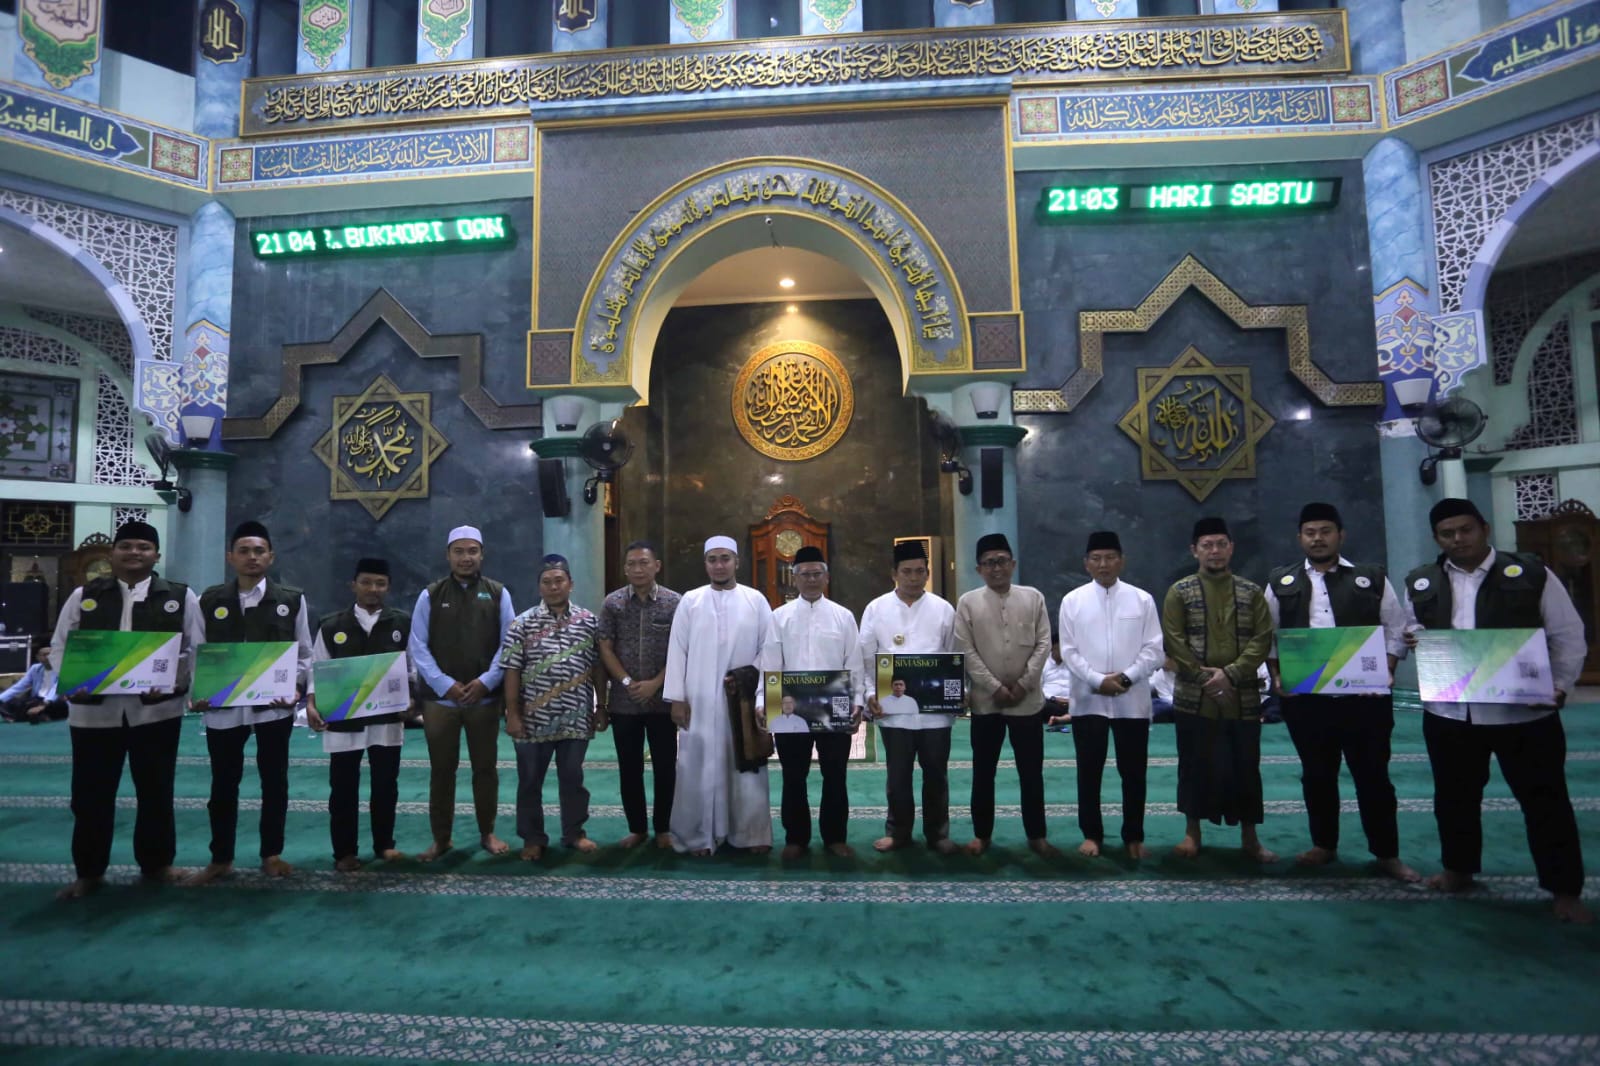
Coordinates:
(438, 234)
(1095, 198)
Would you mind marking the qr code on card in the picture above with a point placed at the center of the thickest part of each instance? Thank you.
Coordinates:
(1369, 663)
(952, 689)
(1529, 671)
(161, 666)
(839, 708)
(280, 676)
(393, 686)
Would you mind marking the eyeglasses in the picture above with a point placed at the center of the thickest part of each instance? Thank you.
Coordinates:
(998, 562)
(810, 573)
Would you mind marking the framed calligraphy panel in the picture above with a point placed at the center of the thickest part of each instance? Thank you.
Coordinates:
(380, 446)
(1196, 423)
(793, 400)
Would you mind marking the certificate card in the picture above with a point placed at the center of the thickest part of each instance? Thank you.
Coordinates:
(1339, 661)
(811, 701)
(361, 686)
(1484, 666)
(245, 674)
(937, 681)
(109, 662)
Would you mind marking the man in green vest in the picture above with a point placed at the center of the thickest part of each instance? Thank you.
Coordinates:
(1217, 630)
(365, 628)
(1322, 591)
(250, 608)
(1473, 586)
(457, 628)
(141, 730)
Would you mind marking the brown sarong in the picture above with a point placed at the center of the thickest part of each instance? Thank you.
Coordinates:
(752, 744)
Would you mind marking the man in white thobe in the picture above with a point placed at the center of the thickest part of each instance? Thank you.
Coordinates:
(1111, 643)
(717, 628)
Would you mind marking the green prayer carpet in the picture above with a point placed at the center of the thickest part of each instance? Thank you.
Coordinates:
(651, 957)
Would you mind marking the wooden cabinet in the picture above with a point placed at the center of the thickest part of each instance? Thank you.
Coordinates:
(773, 542)
(1568, 540)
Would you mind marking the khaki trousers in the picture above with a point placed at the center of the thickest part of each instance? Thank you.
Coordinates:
(442, 725)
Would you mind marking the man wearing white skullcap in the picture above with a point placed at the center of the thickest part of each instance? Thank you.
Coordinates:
(718, 627)
(457, 628)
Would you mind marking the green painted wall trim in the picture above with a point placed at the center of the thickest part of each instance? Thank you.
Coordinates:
(982, 436)
(557, 447)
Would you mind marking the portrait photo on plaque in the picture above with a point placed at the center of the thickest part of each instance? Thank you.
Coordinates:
(810, 701)
(932, 683)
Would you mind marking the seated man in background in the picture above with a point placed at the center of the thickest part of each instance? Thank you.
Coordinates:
(33, 698)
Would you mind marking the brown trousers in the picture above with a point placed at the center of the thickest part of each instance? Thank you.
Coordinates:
(442, 725)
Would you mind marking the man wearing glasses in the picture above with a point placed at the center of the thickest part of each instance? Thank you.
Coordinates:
(1003, 632)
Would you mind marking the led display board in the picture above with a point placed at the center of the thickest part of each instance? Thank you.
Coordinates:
(385, 238)
(1188, 199)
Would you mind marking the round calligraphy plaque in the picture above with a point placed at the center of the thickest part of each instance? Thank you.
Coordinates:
(793, 400)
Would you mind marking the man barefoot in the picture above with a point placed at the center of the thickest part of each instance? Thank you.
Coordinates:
(140, 730)
(457, 628)
(552, 662)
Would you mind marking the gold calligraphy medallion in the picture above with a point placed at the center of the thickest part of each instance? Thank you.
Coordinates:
(1196, 423)
(793, 400)
(380, 446)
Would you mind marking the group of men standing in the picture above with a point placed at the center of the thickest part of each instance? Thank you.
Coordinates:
(660, 670)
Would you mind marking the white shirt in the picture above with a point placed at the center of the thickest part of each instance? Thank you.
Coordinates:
(1563, 631)
(233, 717)
(788, 723)
(1106, 631)
(112, 711)
(1056, 680)
(926, 625)
(820, 635)
(1391, 615)
(382, 735)
(902, 707)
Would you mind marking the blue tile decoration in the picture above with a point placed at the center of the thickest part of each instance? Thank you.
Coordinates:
(1186, 110)
(41, 119)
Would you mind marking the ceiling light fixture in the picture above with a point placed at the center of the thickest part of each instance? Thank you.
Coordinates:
(791, 309)
(785, 283)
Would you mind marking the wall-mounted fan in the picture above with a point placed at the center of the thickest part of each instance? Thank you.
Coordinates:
(1448, 425)
(605, 448)
(949, 439)
(161, 452)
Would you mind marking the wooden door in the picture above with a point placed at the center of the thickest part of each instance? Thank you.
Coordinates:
(773, 543)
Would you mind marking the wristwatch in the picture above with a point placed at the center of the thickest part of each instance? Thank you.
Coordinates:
(626, 680)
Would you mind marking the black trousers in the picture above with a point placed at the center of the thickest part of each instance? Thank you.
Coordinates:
(1532, 757)
(227, 768)
(833, 755)
(629, 732)
(344, 798)
(1219, 768)
(1091, 735)
(903, 751)
(989, 732)
(1357, 728)
(151, 752)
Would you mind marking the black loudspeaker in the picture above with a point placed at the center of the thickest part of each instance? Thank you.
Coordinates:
(25, 607)
(991, 470)
(553, 488)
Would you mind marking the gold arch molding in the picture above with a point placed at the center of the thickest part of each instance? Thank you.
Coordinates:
(905, 267)
(1191, 273)
(793, 400)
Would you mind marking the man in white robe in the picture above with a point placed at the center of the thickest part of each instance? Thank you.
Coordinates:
(717, 628)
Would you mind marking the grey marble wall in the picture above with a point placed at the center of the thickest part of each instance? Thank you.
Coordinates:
(1078, 472)
(692, 474)
(484, 478)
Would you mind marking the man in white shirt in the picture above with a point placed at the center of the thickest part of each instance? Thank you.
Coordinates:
(1472, 586)
(365, 628)
(1003, 633)
(815, 633)
(717, 628)
(1111, 642)
(251, 608)
(1321, 591)
(143, 730)
(1055, 681)
(907, 621)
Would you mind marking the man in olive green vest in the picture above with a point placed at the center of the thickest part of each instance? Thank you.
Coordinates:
(1473, 586)
(1217, 631)
(143, 730)
(250, 608)
(1322, 591)
(457, 628)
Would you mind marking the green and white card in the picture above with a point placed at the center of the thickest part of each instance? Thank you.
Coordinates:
(245, 674)
(361, 686)
(110, 662)
(1484, 666)
(1337, 661)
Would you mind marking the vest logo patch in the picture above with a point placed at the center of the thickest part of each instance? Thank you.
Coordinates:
(395, 636)
(483, 594)
(220, 613)
(340, 638)
(1286, 579)
(283, 610)
(171, 606)
(1514, 570)
(1421, 584)
(1363, 581)
(89, 605)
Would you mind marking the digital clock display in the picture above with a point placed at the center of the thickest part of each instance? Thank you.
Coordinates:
(1188, 198)
(380, 238)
